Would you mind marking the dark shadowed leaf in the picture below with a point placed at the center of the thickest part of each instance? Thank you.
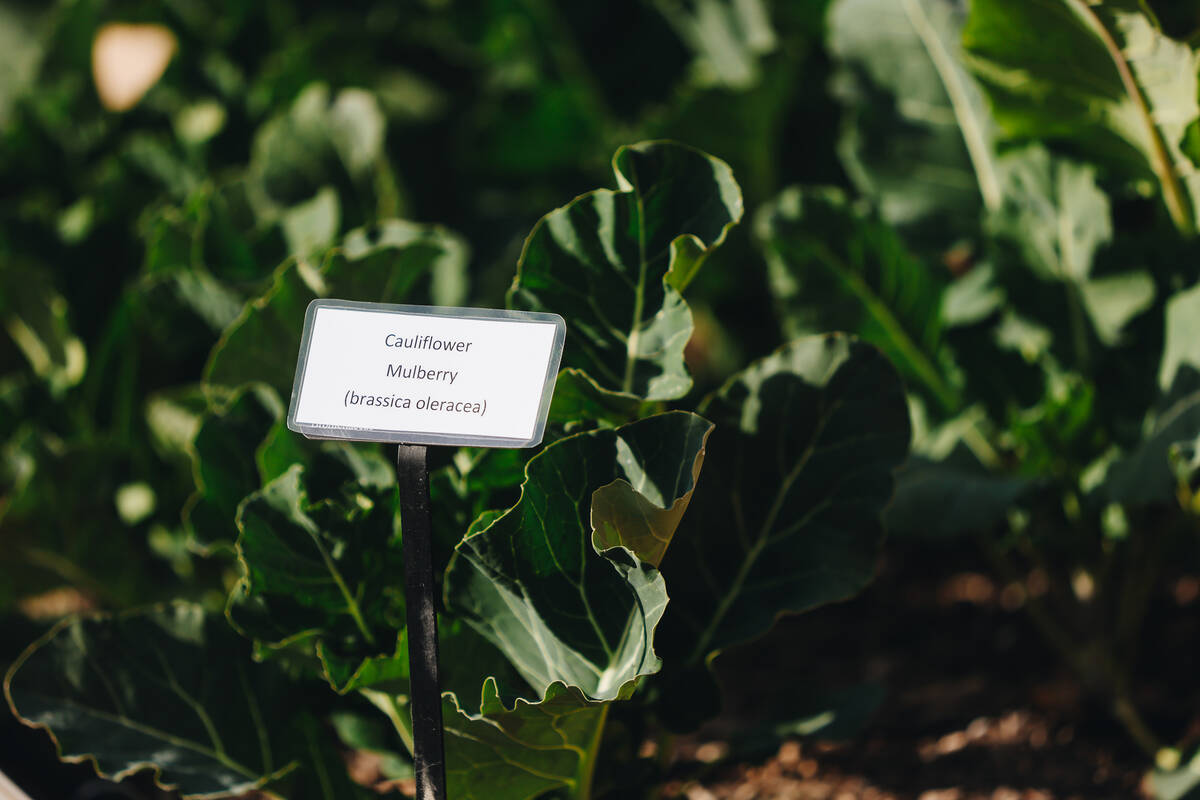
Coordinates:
(817, 711)
(1146, 475)
(954, 496)
(325, 571)
(172, 690)
(800, 468)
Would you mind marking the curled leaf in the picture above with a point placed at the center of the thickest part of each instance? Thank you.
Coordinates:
(615, 264)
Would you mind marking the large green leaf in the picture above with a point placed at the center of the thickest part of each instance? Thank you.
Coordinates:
(1099, 75)
(321, 570)
(175, 691)
(564, 585)
(799, 471)
(918, 137)
(384, 264)
(523, 751)
(1059, 218)
(834, 265)
(614, 264)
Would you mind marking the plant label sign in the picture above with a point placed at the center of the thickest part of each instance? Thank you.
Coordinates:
(425, 374)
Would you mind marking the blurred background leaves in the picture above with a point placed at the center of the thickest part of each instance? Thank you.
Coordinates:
(129, 240)
(997, 194)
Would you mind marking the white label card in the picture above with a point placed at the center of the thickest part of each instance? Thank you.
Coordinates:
(379, 372)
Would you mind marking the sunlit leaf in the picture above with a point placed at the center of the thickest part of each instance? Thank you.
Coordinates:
(1126, 94)
(1182, 336)
(918, 137)
(523, 751)
(614, 264)
(727, 36)
(1059, 219)
(565, 588)
(36, 318)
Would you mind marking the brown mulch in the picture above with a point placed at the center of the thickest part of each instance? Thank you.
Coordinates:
(976, 706)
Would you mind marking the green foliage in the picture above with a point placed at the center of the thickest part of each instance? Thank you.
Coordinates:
(320, 568)
(387, 263)
(1037, 320)
(917, 134)
(805, 444)
(1126, 95)
(118, 690)
(564, 582)
(528, 749)
(973, 192)
(552, 606)
(834, 264)
(616, 263)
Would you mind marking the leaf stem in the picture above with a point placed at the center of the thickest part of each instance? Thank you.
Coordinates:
(1079, 330)
(1131, 720)
(351, 603)
(1097, 669)
(387, 703)
(920, 363)
(586, 774)
(1160, 160)
(735, 588)
(639, 299)
(1045, 623)
(956, 89)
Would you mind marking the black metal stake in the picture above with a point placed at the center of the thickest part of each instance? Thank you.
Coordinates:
(429, 759)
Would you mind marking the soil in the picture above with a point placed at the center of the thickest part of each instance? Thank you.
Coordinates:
(971, 704)
(976, 705)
